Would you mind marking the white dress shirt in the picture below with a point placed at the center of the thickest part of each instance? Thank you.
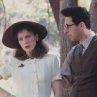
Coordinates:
(33, 77)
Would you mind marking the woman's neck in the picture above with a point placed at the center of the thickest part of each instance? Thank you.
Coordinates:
(29, 54)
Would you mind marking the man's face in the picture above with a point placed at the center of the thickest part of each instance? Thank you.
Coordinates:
(72, 30)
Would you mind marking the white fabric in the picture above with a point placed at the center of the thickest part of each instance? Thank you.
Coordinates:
(35, 77)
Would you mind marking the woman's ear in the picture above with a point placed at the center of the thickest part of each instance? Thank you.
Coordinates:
(37, 37)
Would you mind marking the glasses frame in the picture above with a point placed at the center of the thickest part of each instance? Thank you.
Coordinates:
(67, 26)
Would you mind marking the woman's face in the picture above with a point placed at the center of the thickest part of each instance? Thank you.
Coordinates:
(27, 40)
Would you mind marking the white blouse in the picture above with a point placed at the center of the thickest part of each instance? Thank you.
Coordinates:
(33, 77)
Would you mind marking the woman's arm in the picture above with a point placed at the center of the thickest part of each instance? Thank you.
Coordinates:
(57, 88)
(5, 72)
(0, 77)
(4, 93)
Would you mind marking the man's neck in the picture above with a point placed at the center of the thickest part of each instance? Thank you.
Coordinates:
(86, 35)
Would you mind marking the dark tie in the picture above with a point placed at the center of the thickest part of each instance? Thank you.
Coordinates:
(80, 47)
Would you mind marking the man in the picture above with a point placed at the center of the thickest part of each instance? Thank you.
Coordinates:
(80, 65)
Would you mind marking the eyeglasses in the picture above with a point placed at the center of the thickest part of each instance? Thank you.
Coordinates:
(67, 26)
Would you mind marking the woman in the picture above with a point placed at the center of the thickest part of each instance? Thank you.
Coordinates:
(34, 71)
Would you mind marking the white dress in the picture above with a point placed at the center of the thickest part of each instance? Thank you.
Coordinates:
(33, 77)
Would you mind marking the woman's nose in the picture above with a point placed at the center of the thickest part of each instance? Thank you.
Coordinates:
(25, 41)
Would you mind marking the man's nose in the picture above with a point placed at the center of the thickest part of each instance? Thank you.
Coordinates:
(66, 31)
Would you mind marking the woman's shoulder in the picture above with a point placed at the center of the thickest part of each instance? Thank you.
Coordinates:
(50, 56)
(14, 61)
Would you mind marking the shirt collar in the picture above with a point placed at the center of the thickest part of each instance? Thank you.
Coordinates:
(87, 41)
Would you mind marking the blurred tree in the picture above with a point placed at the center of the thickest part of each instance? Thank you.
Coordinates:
(93, 12)
(28, 10)
(57, 6)
(65, 43)
(2, 14)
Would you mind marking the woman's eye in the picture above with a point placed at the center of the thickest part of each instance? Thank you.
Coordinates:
(20, 39)
(28, 36)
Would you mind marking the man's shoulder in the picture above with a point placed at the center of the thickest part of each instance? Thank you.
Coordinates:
(95, 38)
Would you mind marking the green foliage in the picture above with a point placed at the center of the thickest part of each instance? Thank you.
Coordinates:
(35, 10)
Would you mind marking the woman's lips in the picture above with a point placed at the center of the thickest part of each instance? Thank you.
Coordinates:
(27, 46)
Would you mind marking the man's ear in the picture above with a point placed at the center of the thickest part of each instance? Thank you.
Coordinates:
(82, 25)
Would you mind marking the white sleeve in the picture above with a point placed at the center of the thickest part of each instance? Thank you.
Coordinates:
(5, 71)
(56, 74)
(65, 69)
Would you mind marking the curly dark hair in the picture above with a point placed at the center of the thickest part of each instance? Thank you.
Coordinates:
(78, 14)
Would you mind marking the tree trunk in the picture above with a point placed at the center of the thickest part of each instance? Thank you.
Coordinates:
(93, 13)
(65, 43)
(55, 5)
